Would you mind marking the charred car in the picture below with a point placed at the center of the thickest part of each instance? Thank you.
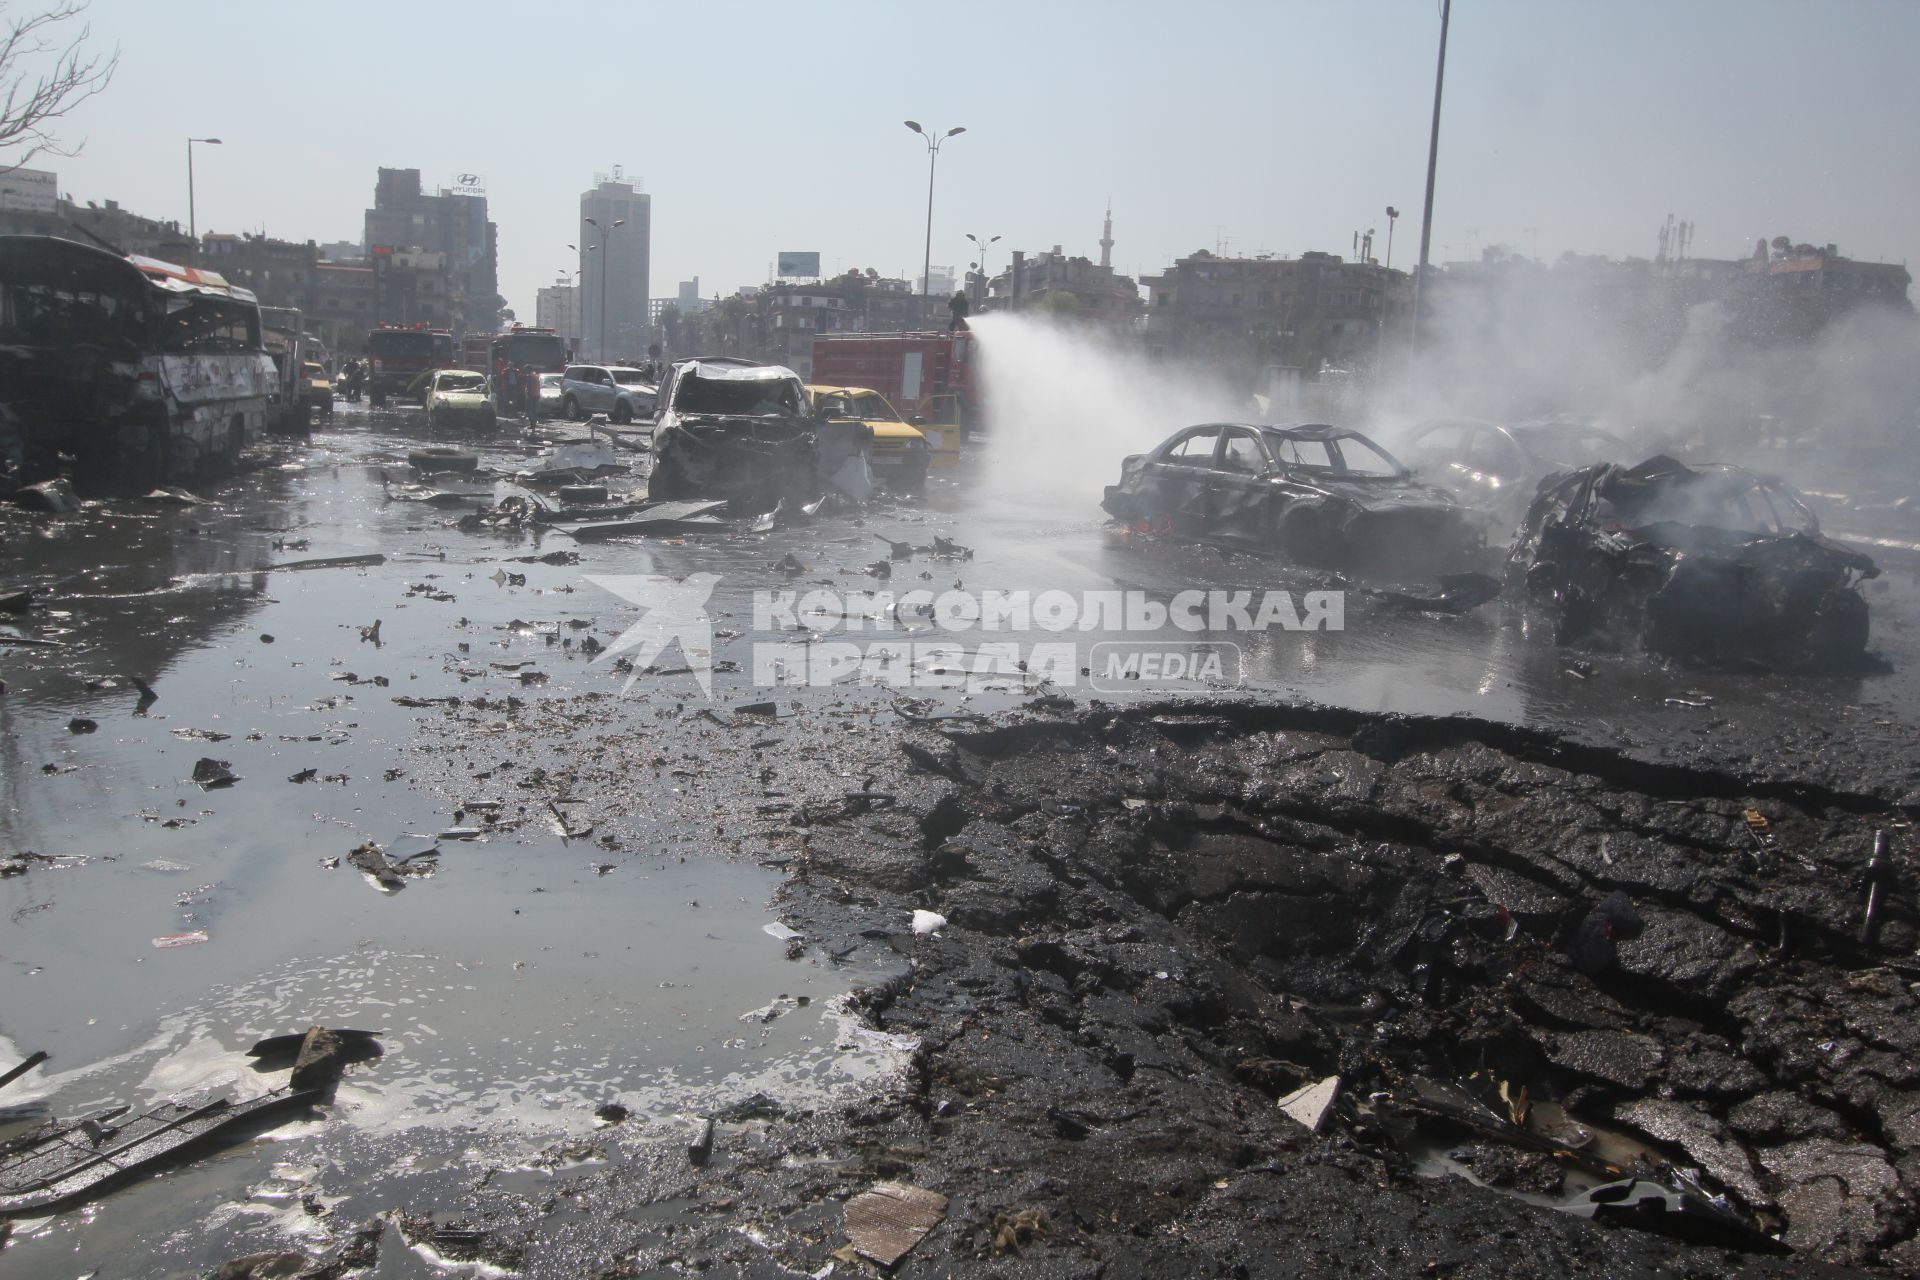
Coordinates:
(1498, 466)
(1314, 494)
(742, 431)
(1712, 564)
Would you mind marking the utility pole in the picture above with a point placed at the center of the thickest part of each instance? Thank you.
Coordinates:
(1426, 216)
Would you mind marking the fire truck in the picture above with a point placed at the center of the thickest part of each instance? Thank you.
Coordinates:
(932, 377)
(517, 358)
(399, 360)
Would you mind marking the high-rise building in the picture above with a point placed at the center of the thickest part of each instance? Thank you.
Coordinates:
(404, 217)
(557, 307)
(622, 267)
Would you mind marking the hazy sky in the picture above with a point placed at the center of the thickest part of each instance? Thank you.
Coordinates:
(1258, 127)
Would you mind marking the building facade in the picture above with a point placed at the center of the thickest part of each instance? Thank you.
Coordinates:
(405, 219)
(614, 279)
(557, 307)
(1305, 312)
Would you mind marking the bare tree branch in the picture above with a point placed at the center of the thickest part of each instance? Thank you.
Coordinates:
(43, 78)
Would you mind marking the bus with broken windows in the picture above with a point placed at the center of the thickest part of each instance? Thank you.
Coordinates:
(126, 372)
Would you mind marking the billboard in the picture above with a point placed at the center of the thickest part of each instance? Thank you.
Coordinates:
(468, 184)
(33, 190)
(806, 265)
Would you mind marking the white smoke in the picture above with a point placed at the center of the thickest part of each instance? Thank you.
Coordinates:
(1066, 403)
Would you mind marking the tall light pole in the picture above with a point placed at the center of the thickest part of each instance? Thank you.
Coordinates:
(1433, 156)
(933, 158)
(1393, 215)
(579, 308)
(980, 247)
(602, 246)
(193, 222)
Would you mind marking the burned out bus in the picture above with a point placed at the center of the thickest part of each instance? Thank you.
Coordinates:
(130, 370)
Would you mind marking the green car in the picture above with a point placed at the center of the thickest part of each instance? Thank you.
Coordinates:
(457, 400)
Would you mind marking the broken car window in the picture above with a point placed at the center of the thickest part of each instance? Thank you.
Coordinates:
(1243, 453)
(1194, 451)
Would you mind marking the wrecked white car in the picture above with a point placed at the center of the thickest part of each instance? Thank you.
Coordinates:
(742, 431)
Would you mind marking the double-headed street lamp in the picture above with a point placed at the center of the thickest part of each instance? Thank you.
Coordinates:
(933, 156)
(193, 225)
(980, 247)
(602, 246)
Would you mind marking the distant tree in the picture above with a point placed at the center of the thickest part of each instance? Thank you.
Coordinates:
(43, 77)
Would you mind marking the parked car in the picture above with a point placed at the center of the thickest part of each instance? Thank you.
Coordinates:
(901, 453)
(621, 393)
(457, 399)
(1714, 564)
(319, 389)
(730, 428)
(1499, 466)
(551, 401)
(1314, 494)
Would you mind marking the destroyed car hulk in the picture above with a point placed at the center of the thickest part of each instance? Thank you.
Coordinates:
(734, 429)
(1313, 494)
(1713, 564)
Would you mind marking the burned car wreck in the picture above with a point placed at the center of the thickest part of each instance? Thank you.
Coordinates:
(1713, 564)
(742, 431)
(1315, 494)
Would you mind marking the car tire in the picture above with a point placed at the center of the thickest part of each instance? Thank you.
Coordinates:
(622, 414)
(378, 400)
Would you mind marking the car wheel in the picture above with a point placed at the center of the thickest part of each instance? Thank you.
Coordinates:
(379, 400)
(621, 413)
(572, 409)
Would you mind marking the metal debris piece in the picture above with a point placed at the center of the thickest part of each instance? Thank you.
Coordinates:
(700, 1150)
(885, 1223)
(72, 1161)
(209, 773)
(1310, 1103)
(327, 562)
(925, 922)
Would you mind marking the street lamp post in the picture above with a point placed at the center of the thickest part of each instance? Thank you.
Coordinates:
(1393, 214)
(604, 233)
(980, 247)
(1433, 158)
(933, 156)
(193, 223)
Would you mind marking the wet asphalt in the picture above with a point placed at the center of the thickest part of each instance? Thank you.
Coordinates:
(579, 950)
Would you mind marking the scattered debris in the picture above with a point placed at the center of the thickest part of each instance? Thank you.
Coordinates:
(53, 496)
(65, 1162)
(700, 1149)
(210, 773)
(886, 1222)
(926, 922)
(167, 941)
(327, 562)
(33, 1060)
(1458, 593)
(79, 724)
(1310, 1103)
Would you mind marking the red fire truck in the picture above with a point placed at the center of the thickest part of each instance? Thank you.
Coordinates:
(932, 377)
(399, 360)
(517, 358)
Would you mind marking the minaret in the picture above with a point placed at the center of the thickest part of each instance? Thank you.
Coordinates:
(1106, 239)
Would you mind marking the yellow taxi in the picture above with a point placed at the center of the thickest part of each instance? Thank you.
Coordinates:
(900, 451)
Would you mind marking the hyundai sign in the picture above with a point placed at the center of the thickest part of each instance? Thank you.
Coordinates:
(799, 265)
(468, 184)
